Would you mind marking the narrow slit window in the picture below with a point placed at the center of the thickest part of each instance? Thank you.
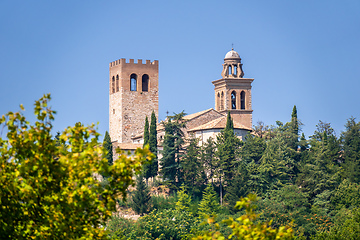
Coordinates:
(113, 84)
(222, 101)
(133, 82)
(218, 101)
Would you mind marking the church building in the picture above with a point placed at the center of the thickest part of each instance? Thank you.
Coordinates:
(133, 90)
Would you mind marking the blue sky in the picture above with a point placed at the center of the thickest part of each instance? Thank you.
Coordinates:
(303, 53)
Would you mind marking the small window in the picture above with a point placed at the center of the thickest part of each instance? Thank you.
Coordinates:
(242, 100)
(117, 83)
(222, 101)
(233, 100)
(230, 70)
(113, 111)
(218, 101)
(133, 82)
(113, 84)
(235, 70)
(145, 83)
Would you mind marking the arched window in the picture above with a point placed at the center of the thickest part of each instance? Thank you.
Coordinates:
(230, 70)
(218, 101)
(117, 83)
(233, 100)
(113, 84)
(145, 83)
(133, 82)
(222, 101)
(242, 100)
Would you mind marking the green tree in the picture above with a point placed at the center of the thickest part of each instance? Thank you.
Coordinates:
(146, 167)
(141, 199)
(172, 147)
(277, 164)
(153, 145)
(184, 200)
(252, 149)
(247, 226)
(208, 158)
(146, 132)
(295, 128)
(322, 171)
(209, 204)
(227, 145)
(350, 139)
(193, 173)
(239, 186)
(109, 149)
(50, 190)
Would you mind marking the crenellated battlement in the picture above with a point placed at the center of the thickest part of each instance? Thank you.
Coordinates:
(123, 61)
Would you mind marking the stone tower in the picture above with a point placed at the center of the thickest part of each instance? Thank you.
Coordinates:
(233, 91)
(133, 95)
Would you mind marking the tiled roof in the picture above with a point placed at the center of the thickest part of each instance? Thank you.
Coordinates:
(194, 115)
(219, 123)
(129, 146)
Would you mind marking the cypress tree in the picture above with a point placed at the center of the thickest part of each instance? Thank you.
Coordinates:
(141, 199)
(294, 129)
(146, 167)
(227, 144)
(146, 132)
(109, 149)
(153, 145)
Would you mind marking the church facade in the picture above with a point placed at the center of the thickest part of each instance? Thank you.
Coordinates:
(133, 95)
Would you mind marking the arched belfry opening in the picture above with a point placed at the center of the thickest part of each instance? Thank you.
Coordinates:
(145, 83)
(233, 100)
(218, 101)
(133, 82)
(242, 99)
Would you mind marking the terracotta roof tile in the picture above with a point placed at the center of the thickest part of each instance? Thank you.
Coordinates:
(219, 123)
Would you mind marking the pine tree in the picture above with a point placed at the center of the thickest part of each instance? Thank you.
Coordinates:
(153, 145)
(209, 204)
(141, 198)
(184, 200)
(108, 146)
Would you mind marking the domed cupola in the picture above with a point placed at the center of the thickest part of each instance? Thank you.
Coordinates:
(232, 67)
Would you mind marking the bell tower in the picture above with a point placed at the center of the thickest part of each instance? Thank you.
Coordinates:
(133, 95)
(233, 91)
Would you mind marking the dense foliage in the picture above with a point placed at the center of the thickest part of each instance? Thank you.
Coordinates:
(49, 187)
